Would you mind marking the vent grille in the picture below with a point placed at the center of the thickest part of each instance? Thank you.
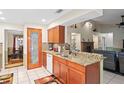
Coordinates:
(59, 10)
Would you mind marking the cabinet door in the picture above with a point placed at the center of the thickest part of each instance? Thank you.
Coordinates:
(61, 34)
(50, 36)
(56, 35)
(44, 60)
(63, 73)
(75, 76)
(56, 68)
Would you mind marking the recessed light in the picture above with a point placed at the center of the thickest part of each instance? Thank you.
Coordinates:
(43, 20)
(2, 18)
(1, 12)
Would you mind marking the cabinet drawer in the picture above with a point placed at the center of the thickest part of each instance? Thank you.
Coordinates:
(60, 60)
(76, 66)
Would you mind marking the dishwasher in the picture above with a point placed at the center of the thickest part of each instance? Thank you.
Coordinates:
(50, 63)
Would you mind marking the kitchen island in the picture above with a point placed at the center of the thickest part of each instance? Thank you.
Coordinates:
(84, 68)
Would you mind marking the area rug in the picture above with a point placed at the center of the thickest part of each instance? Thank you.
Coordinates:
(6, 79)
(47, 80)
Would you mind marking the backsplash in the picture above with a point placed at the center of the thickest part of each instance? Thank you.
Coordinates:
(45, 46)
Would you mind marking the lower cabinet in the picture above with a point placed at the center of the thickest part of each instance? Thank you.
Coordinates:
(75, 76)
(63, 73)
(56, 68)
(60, 70)
(44, 55)
(71, 73)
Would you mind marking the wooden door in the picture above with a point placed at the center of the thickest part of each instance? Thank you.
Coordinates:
(44, 59)
(34, 48)
(50, 36)
(56, 68)
(63, 73)
(75, 76)
(56, 34)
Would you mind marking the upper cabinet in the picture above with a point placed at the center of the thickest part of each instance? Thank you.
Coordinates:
(50, 36)
(56, 34)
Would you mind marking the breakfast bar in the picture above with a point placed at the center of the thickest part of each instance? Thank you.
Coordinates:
(82, 68)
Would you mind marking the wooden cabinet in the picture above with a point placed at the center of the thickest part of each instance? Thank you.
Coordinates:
(72, 73)
(56, 68)
(50, 36)
(63, 73)
(75, 76)
(56, 34)
(60, 69)
(78, 74)
(44, 59)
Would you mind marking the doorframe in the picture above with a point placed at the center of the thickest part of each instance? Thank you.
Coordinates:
(4, 47)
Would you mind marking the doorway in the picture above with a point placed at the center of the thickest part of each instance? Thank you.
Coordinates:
(14, 48)
(34, 48)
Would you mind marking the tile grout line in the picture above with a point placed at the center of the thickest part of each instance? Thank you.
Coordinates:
(28, 76)
(111, 79)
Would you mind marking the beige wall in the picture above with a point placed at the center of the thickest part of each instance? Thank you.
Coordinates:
(118, 33)
(1, 49)
(87, 33)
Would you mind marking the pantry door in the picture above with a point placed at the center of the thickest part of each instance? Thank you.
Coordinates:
(34, 48)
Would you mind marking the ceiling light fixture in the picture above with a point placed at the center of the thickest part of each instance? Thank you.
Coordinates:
(1, 12)
(43, 20)
(2, 18)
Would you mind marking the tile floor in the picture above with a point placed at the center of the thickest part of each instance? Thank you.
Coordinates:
(112, 78)
(24, 76)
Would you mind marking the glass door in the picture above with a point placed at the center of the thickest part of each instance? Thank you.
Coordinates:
(34, 48)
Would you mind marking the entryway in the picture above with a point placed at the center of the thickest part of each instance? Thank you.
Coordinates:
(13, 48)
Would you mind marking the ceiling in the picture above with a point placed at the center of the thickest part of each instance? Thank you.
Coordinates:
(110, 16)
(31, 16)
(35, 16)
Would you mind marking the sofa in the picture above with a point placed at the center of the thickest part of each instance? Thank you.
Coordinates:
(110, 62)
(121, 61)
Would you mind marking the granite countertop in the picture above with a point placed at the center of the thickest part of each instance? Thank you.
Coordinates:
(82, 58)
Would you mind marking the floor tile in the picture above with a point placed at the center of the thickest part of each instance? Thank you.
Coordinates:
(24, 76)
(117, 80)
(108, 76)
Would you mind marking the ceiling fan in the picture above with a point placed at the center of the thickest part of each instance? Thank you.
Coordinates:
(121, 24)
